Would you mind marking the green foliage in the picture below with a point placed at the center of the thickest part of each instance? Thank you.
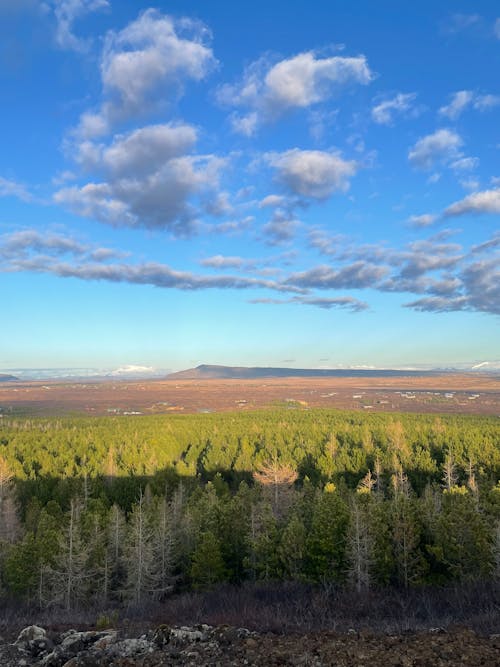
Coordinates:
(326, 546)
(118, 510)
(207, 567)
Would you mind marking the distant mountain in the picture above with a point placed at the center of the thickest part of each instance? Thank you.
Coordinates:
(208, 372)
(7, 378)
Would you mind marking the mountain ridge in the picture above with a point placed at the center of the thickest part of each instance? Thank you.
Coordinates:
(8, 378)
(219, 372)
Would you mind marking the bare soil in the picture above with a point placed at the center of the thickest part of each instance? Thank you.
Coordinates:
(448, 393)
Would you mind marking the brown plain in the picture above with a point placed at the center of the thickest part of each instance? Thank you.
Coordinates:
(449, 393)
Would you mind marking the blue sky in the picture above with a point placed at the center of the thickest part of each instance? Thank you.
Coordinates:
(265, 183)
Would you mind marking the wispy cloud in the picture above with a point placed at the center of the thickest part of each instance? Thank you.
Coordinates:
(423, 220)
(359, 274)
(459, 101)
(459, 22)
(384, 111)
(342, 302)
(463, 99)
(10, 188)
(444, 275)
(20, 245)
(29, 250)
(66, 13)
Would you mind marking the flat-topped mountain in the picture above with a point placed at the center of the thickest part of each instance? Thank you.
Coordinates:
(7, 378)
(214, 372)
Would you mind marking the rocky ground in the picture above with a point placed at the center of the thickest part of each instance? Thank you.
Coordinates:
(205, 645)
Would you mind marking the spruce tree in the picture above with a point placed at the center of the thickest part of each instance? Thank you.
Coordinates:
(207, 565)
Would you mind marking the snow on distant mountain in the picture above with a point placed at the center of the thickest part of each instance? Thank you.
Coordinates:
(126, 372)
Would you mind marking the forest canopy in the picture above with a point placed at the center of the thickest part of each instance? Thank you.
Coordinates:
(127, 509)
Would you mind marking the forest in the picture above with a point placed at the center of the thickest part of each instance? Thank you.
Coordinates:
(114, 511)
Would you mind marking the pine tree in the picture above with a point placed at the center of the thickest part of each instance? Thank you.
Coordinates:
(263, 540)
(207, 565)
(406, 533)
(464, 541)
(326, 544)
(292, 548)
(94, 528)
(496, 549)
(115, 563)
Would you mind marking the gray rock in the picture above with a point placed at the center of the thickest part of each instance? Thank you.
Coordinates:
(14, 656)
(29, 634)
(185, 635)
(129, 648)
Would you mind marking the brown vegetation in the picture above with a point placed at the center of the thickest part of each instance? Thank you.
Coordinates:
(465, 393)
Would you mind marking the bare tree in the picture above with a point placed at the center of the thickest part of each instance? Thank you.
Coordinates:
(139, 552)
(163, 544)
(5, 477)
(471, 481)
(368, 483)
(378, 472)
(278, 476)
(359, 546)
(64, 582)
(450, 477)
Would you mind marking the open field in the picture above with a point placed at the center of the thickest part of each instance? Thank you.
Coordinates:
(447, 393)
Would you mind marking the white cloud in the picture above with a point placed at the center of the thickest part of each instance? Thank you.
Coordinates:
(147, 148)
(148, 177)
(158, 200)
(154, 50)
(463, 99)
(145, 65)
(313, 174)
(223, 262)
(271, 200)
(465, 164)
(439, 147)
(294, 83)
(327, 303)
(281, 228)
(424, 220)
(470, 184)
(66, 12)
(486, 102)
(459, 22)
(357, 275)
(9, 188)
(384, 111)
(487, 201)
(459, 101)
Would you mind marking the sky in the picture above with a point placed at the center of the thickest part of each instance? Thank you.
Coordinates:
(267, 183)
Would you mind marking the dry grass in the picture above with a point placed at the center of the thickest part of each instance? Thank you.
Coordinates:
(406, 394)
(290, 608)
